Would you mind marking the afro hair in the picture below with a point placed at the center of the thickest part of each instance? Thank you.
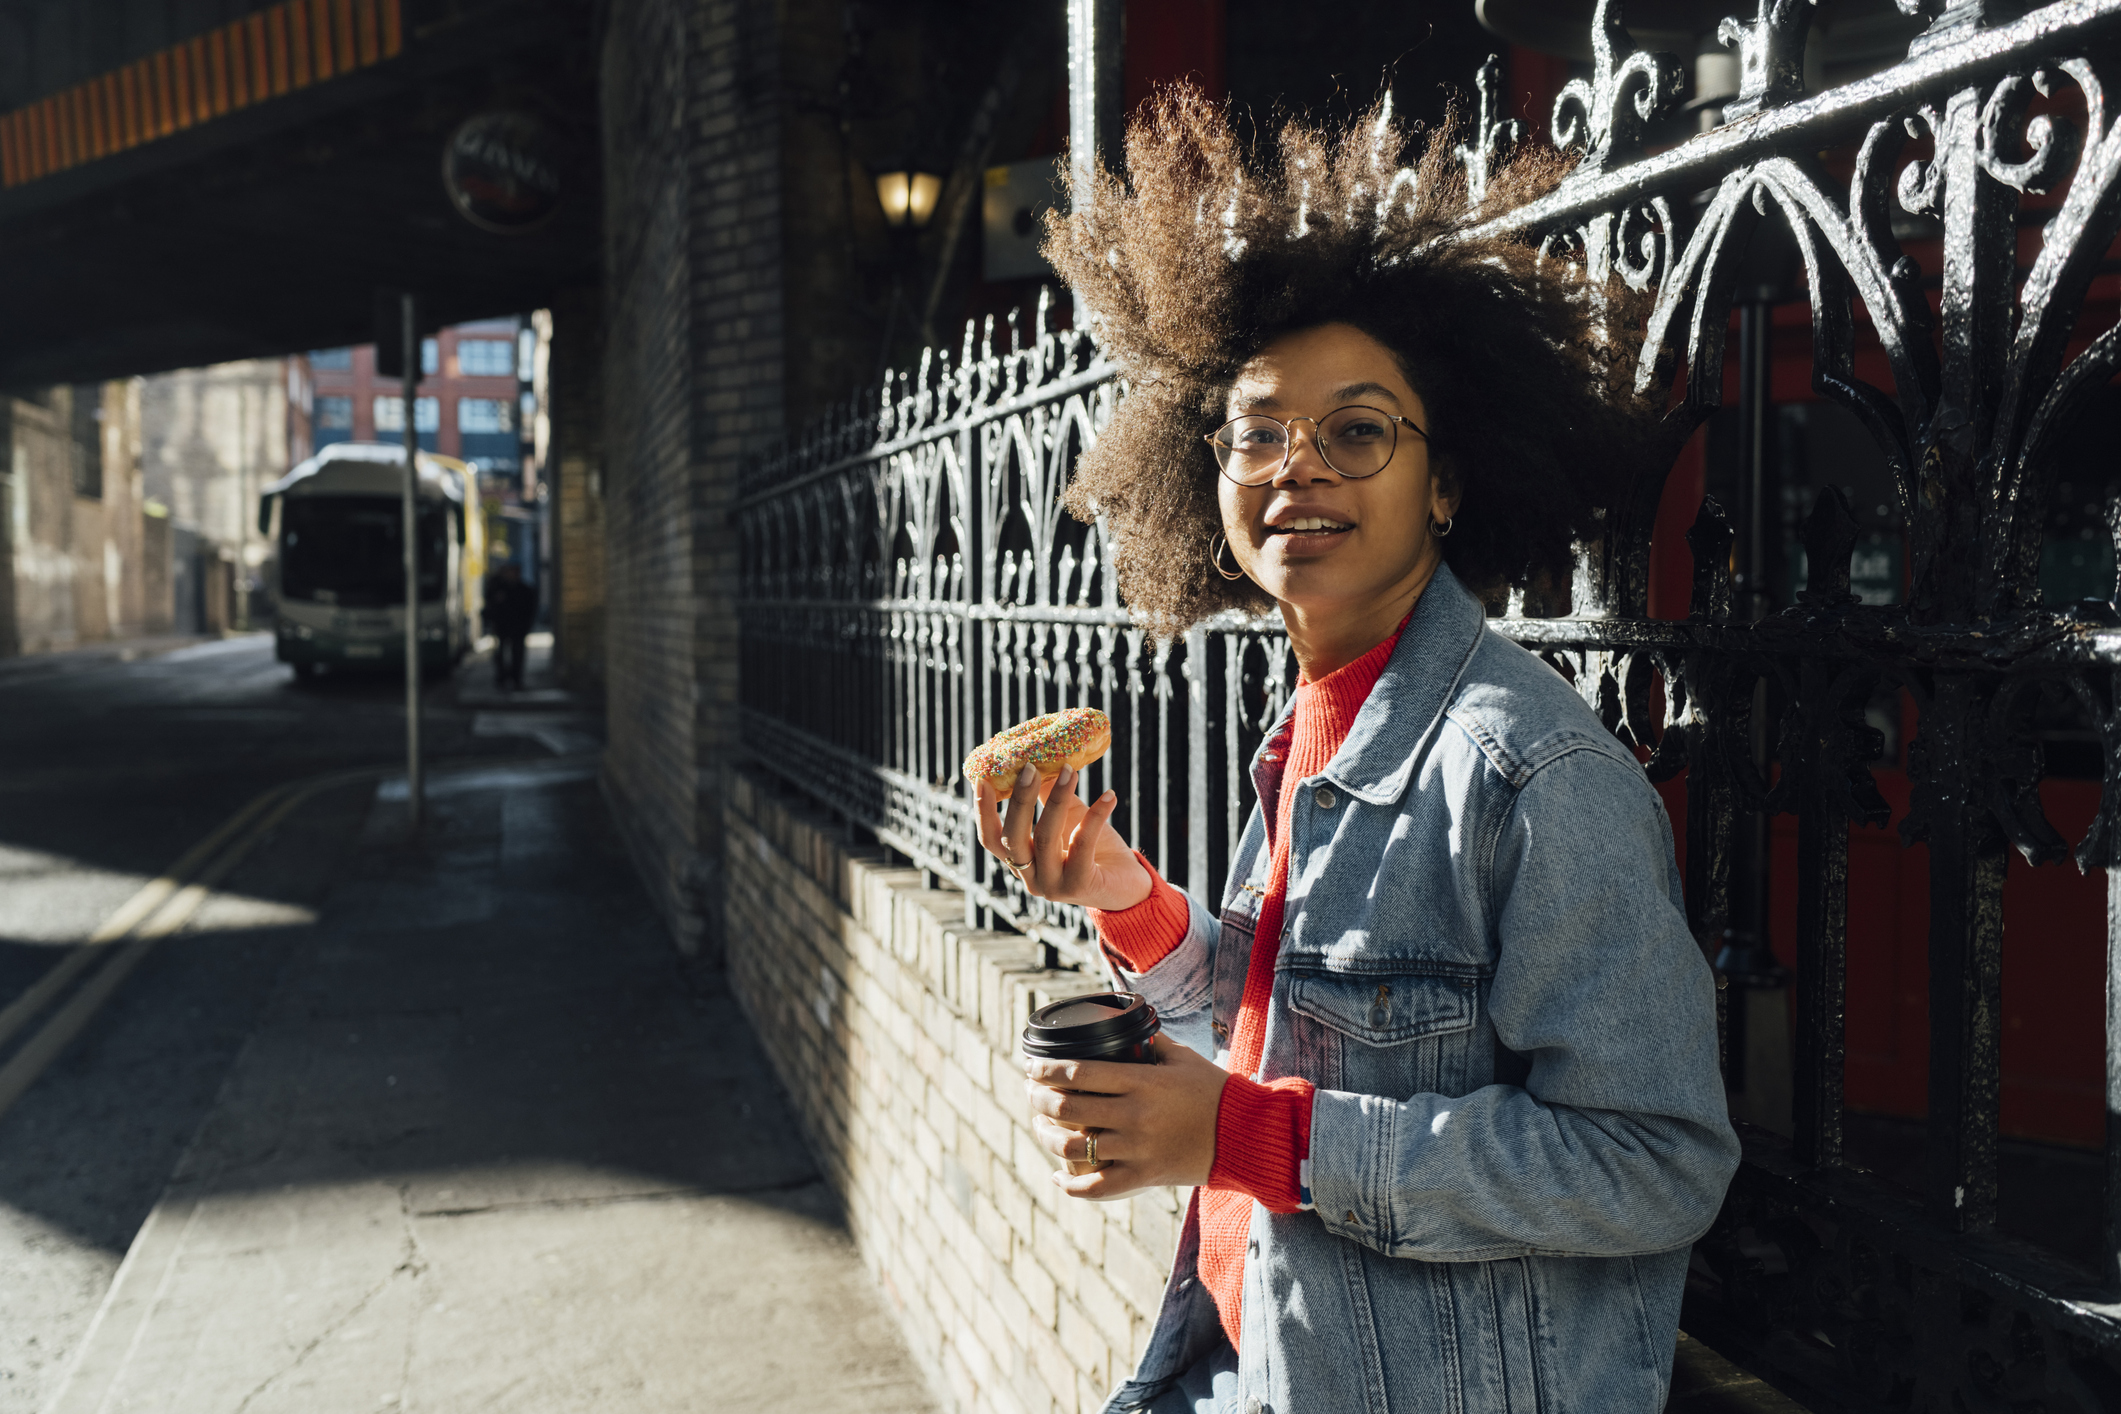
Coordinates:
(1208, 250)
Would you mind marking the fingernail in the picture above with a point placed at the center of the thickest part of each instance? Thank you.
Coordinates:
(1028, 776)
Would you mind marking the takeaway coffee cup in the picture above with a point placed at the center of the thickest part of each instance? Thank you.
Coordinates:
(1106, 1026)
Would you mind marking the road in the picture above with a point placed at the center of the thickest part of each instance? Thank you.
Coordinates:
(380, 1119)
(109, 768)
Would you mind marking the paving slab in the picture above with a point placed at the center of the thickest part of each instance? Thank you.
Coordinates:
(494, 1145)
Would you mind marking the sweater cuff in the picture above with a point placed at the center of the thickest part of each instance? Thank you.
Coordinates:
(1263, 1142)
(1150, 931)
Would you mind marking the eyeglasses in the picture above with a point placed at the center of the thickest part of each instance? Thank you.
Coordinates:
(1352, 441)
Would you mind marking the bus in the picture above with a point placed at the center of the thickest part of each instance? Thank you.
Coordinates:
(337, 580)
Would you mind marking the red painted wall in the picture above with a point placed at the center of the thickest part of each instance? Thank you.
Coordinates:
(1173, 39)
(2054, 951)
(2054, 970)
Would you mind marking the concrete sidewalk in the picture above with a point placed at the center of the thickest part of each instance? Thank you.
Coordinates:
(493, 1147)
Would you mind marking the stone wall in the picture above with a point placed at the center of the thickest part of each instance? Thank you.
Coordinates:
(894, 1025)
(691, 402)
(735, 212)
(647, 481)
(210, 440)
(72, 544)
(571, 351)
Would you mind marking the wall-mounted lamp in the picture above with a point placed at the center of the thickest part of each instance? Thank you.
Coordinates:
(908, 198)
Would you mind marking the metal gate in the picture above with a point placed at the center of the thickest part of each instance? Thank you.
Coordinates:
(910, 585)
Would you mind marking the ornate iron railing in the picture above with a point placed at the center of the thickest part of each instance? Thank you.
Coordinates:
(911, 585)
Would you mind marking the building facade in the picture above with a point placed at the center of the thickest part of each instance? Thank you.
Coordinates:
(478, 399)
(468, 404)
(211, 440)
(85, 552)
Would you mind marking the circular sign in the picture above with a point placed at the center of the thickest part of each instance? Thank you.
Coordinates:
(502, 171)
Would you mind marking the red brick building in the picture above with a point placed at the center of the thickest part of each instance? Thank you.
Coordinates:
(470, 402)
(475, 400)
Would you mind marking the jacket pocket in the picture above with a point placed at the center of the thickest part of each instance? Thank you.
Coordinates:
(1385, 1010)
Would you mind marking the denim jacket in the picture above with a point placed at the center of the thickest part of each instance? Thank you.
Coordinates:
(1519, 1127)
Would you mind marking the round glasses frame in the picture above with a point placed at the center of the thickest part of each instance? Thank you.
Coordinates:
(1223, 449)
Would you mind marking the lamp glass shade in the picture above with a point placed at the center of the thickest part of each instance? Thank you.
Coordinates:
(894, 192)
(923, 191)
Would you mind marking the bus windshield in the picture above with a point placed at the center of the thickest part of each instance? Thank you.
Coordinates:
(348, 550)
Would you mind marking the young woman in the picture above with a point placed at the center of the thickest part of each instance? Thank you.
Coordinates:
(1463, 1117)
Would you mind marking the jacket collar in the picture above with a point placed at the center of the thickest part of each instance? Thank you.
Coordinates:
(1402, 711)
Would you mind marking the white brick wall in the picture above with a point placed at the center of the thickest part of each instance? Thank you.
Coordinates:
(894, 1027)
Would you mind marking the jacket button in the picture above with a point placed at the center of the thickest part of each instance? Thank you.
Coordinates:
(1326, 799)
(1253, 1406)
(1352, 1220)
(1222, 1032)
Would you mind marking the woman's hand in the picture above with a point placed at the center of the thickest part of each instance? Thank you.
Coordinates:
(1155, 1123)
(1072, 852)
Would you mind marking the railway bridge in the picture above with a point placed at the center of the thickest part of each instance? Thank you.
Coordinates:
(184, 182)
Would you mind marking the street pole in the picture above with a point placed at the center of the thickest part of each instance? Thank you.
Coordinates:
(1096, 49)
(410, 334)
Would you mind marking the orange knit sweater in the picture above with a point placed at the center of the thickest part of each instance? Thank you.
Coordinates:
(1262, 1132)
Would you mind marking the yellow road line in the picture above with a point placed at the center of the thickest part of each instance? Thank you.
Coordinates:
(151, 897)
(154, 913)
(18, 1013)
(178, 911)
(40, 1050)
(25, 1008)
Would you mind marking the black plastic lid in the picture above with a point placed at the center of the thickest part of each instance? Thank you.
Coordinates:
(1089, 1027)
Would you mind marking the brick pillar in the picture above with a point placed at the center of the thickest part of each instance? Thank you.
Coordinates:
(575, 460)
(14, 528)
(737, 285)
(692, 396)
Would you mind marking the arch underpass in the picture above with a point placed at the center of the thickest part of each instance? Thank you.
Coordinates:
(192, 181)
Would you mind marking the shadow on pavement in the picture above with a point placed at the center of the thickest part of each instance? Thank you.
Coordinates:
(489, 1123)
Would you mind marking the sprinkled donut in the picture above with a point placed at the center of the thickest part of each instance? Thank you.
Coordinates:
(1075, 738)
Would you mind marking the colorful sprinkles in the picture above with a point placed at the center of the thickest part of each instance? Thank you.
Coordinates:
(1045, 742)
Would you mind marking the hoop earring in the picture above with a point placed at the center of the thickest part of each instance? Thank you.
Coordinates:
(1440, 531)
(1216, 546)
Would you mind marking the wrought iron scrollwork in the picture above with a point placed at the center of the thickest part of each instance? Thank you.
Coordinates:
(1494, 136)
(1770, 56)
(1628, 89)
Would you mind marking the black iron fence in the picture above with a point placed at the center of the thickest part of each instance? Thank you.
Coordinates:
(911, 586)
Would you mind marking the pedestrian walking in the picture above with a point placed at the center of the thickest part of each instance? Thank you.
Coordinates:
(511, 608)
(1442, 1066)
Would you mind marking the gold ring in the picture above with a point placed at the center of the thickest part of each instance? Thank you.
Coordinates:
(1090, 1144)
(1020, 868)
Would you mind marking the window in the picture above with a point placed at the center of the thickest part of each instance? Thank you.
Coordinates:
(484, 415)
(88, 440)
(390, 414)
(331, 358)
(488, 434)
(331, 422)
(486, 358)
(349, 550)
(430, 355)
